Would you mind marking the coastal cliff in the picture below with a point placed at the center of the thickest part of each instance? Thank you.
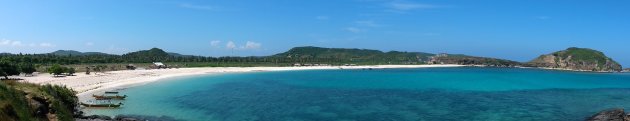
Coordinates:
(578, 59)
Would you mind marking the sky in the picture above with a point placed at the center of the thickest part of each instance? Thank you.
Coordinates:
(511, 29)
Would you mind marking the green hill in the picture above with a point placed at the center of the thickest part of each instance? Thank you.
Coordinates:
(75, 53)
(350, 55)
(366, 56)
(153, 52)
(577, 59)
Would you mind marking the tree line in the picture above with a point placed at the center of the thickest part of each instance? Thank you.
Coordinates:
(8, 68)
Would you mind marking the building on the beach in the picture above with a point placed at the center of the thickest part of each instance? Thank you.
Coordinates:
(349, 64)
(159, 65)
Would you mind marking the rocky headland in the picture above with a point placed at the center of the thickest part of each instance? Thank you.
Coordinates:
(577, 59)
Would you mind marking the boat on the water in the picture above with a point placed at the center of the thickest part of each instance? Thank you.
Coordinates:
(110, 96)
(102, 105)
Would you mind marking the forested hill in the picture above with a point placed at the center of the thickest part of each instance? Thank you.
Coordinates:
(76, 53)
(307, 54)
(153, 52)
(310, 54)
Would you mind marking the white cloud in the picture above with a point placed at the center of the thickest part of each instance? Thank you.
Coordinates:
(197, 7)
(353, 29)
(89, 44)
(16, 43)
(403, 6)
(543, 17)
(249, 45)
(322, 17)
(46, 45)
(252, 45)
(230, 45)
(215, 43)
(12, 43)
(368, 23)
(6, 42)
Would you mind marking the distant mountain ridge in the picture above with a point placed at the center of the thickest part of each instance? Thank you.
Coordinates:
(574, 58)
(320, 52)
(379, 56)
(76, 53)
(155, 52)
(150, 52)
(580, 59)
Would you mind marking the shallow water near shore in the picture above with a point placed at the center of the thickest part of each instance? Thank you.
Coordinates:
(459, 93)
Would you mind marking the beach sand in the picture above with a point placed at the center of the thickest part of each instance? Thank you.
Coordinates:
(86, 85)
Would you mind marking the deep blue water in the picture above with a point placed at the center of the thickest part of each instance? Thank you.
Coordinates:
(467, 93)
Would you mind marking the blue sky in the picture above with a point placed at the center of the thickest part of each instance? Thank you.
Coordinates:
(512, 29)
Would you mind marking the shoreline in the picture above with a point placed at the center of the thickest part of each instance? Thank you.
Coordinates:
(86, 85)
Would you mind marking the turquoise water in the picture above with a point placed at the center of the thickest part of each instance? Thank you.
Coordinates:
(466, 93)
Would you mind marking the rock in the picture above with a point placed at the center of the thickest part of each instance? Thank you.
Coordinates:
(40, 106)
(127, 119)
(616, 114)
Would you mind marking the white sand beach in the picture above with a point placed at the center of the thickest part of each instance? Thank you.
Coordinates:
(86, 85)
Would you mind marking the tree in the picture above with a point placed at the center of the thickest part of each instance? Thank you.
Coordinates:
(2, 73)
(7, 69)
(70, 71)
(27, 69)
(56, 70)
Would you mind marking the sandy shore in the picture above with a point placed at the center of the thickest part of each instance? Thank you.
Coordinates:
(86, 85)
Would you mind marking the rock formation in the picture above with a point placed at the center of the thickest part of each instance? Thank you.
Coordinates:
(610, 115)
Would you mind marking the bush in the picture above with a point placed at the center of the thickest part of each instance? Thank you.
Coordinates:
(56, 70)
(70, 71)
(27, 69)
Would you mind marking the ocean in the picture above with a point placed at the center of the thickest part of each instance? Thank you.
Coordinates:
(431, 94)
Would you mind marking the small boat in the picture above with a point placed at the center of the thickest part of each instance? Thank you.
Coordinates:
(109, 96)
(104, 105)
